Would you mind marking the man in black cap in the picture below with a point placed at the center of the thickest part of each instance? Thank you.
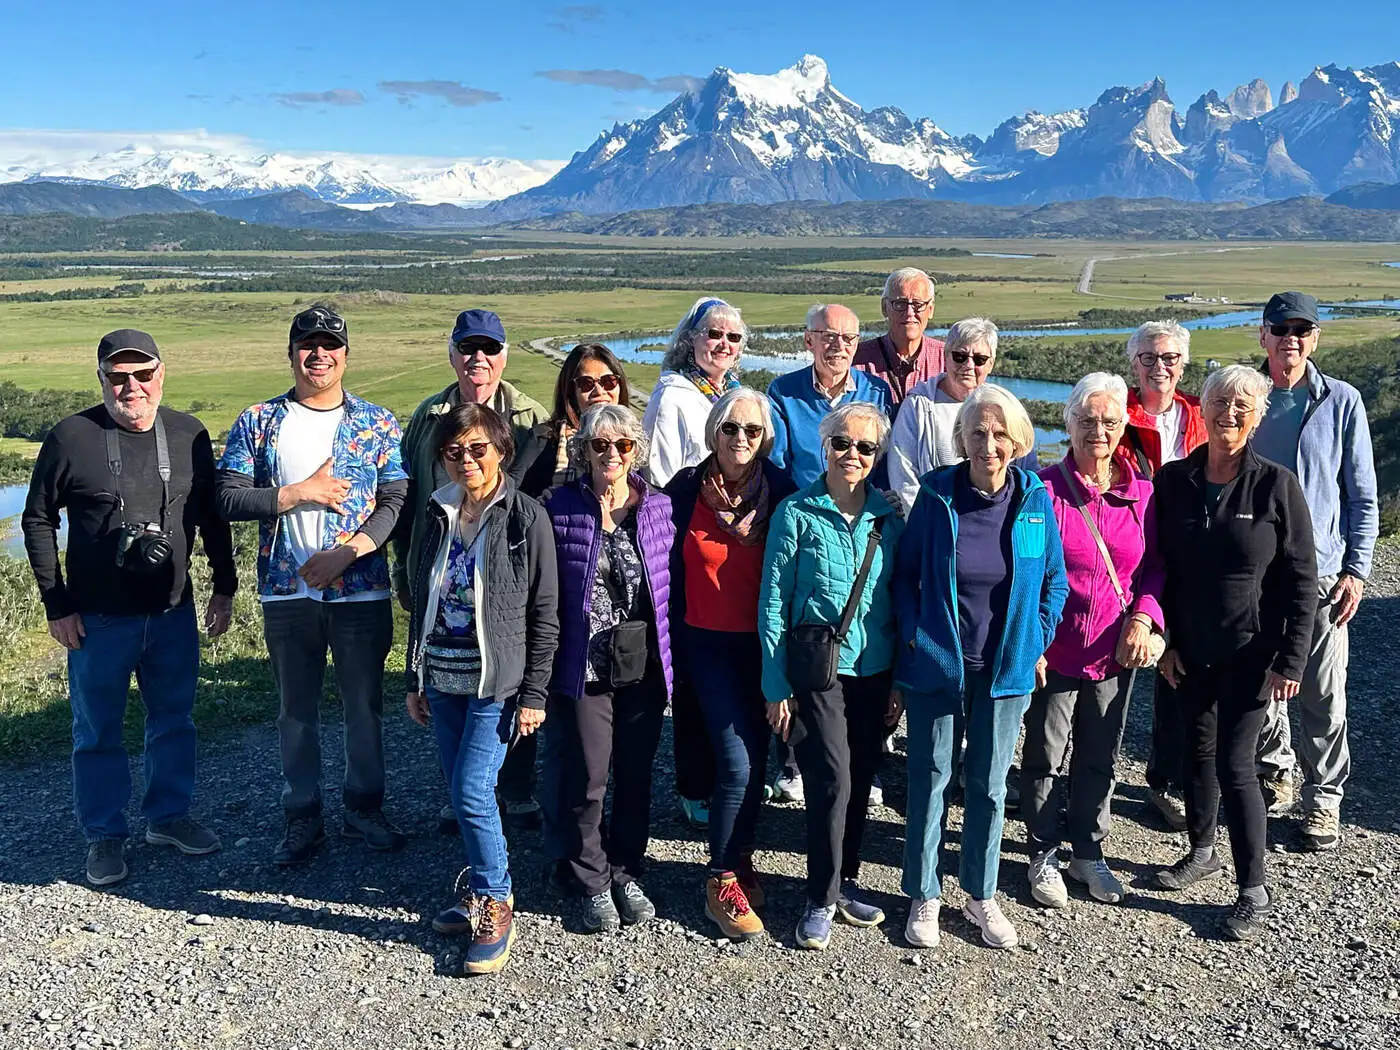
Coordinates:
(1316, 426)
(136, 481)
(320, 470)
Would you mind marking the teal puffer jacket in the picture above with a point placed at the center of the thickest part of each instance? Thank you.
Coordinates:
(809, 566)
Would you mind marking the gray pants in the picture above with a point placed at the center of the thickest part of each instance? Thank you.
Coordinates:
(1093, 714)
(1322, 715)
(358, 635)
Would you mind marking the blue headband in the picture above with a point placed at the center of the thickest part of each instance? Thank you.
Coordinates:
(701, 308)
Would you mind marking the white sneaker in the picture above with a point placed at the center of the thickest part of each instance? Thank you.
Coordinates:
(1047, 887)
(997, 931)
(1103, 884)
(787, 789)
(921, 931)
(877, 794)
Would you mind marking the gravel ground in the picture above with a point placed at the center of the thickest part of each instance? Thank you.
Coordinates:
(228, 950)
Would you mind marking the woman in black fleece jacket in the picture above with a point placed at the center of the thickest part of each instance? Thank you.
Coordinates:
(1241, 592)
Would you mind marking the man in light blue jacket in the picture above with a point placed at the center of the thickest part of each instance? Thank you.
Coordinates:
(1316, 426)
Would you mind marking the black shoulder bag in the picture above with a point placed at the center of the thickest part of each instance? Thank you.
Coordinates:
(629, 649)
(814, 649)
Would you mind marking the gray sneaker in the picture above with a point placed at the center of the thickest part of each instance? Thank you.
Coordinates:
(106, 862)
(186, 835)
(375, 828)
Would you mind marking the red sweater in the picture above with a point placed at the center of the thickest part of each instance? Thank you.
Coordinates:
(721, 576)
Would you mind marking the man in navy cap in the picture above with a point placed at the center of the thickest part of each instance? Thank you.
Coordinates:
(1316, 426)
(477, 352)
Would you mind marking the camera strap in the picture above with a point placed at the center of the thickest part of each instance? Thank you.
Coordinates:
(114, 464)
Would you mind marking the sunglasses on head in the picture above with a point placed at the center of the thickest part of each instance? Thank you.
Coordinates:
(961, 357)
(734, 337)
(1149, 360)
(841, 443)
(1302, 331)
(624, 446)
(319, 321)
(141, 375)
(477, 450)
(586, 384)
(488, 347)
(752, 431)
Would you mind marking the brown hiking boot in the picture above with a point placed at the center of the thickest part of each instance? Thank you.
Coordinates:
(748, 879)
(495, 933)
(728, 908)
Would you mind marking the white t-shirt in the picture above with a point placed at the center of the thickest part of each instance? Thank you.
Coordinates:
(305, 442)
(1172, 433)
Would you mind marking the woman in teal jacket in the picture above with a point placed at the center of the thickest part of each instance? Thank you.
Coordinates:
(979, 587)
(817, 540)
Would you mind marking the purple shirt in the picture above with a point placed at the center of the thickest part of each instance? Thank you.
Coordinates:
(983, 564)
(877, 357)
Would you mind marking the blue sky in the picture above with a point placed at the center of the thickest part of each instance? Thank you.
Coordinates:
(541, 80)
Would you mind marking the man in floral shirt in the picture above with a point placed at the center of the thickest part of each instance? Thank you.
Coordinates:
(321, 470)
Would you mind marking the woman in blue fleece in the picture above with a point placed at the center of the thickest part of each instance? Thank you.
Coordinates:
(979, 584)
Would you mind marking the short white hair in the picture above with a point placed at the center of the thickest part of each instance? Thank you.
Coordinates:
(969, 332)
(1233, 380)
(724, 408)
(904, 274)
(1013, 416)
(1092, 385)
(1150, 331)
(704, 312)
(836, 420)
(818, 313)
(608, 419)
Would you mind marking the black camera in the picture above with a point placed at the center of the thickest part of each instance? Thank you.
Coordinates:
(143, 546)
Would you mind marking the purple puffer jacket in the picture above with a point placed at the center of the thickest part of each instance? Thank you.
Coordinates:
(576, 514)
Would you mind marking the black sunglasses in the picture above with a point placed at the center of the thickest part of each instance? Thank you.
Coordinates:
(454, 452)
(319, 321)
(1302, 331)
(624, 446)
(734, 337)
(141, 375)
(960, 357)
(841, 443)
(752, 431)
(585, 384)
(490, 349)
(1149, 360)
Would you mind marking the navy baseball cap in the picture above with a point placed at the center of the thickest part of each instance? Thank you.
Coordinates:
(127, 340)
(478, 322)
(1291, 306)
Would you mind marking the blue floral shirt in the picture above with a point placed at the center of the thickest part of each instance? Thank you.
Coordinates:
(365, 453)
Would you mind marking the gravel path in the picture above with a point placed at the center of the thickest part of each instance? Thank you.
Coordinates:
(230, 951)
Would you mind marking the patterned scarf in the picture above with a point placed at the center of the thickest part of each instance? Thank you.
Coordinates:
(744, 511)
(692, 372)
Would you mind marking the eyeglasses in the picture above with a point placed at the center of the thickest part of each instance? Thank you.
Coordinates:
(586, 384)
(752, 431)
(899, 306)
(454, 452)
(1302, 331)
(1092, 423)
(141, 375)
(831, 338)
(488, 347)
(624, 446)
(1149, 360)
(319, 321)
(960, 357)
(841, 443)
(1235, 405)
(716, 335)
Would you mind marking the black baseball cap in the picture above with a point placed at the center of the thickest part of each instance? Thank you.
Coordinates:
(318, 320)
(1291, 306)
(127, 340)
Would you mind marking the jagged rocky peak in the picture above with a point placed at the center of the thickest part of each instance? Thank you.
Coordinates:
(1250, 100)
(1288, 94)
(1032, 132)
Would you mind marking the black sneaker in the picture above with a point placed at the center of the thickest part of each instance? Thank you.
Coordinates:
(632, 904)
(1188, 872)
(374, 828)
(300, 840)
(599, 914)
(186, 835)
(559, 880)
(106, 862)
(1246, 918)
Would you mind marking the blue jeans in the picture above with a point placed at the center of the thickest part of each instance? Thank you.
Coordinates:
(992, 727)
(725, 669)
(472, 736)
(163, 651)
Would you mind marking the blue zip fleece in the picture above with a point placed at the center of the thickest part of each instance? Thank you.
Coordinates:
(798, 411)
(930, 658)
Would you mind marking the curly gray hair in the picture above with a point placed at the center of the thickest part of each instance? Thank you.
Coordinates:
(606, 420)
(706, 311)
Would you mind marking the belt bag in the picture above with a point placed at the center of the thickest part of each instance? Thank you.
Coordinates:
(629, 653)
(814, 649)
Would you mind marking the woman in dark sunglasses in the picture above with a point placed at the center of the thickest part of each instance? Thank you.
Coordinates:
(483, 629)
(590, 375)
(612, 678)
(823, 539)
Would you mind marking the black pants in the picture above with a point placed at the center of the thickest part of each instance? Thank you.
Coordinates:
(1166, 758)
(516, 782)
(617, 730)
(690, 744)
(837, 738)
(1222, 713)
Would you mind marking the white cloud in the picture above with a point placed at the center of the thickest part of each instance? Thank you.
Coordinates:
(43, 147)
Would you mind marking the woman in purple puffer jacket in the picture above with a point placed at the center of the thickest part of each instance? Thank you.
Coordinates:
(612, 672)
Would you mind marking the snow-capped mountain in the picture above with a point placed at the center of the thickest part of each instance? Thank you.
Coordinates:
(208, 175)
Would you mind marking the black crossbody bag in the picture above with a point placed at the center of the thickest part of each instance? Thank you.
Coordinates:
(629, 649)
(814, 649)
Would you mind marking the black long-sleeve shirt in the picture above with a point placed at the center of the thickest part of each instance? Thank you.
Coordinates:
(71, 473)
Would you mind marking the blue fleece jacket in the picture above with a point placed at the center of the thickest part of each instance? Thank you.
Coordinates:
(798, 411)
(925, 589)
